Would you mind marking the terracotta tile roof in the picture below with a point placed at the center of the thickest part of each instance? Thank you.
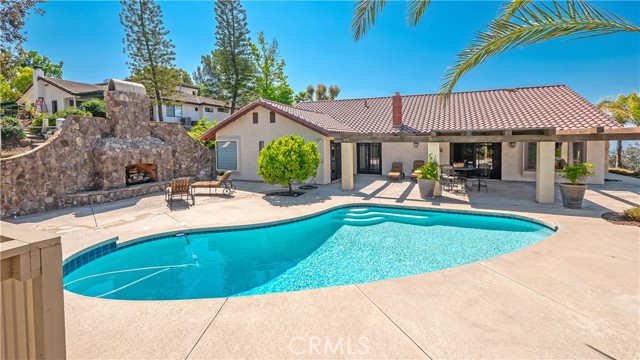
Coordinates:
(316, 121)
(73, 87)
(316, 118)
(520, 108)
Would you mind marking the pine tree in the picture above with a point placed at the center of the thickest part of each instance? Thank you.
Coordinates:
(270, 80)
(233, 52)
(150, 52)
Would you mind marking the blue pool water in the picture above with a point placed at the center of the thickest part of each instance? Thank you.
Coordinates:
(345, 246)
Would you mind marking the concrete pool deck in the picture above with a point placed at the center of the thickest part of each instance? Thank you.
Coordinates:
(573, 295)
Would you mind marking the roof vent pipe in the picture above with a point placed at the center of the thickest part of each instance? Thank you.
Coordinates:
(397, 110)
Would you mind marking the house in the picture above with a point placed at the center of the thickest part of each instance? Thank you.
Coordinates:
(517, 131)
(50, 95)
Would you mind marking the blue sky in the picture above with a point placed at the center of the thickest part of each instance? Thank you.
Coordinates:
(316, 44)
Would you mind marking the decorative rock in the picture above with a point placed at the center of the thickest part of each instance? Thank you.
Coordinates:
(24, 142)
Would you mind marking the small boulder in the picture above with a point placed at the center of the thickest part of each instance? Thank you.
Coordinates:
(24, 142)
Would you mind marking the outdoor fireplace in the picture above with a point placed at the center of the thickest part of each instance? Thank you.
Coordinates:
(141, 173)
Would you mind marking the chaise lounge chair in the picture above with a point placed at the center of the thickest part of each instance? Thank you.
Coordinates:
(224, 182)
(179, 187)
(396, 171)
(415, 172)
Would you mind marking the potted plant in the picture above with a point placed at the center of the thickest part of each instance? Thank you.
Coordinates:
(573, 193)
(429, 179)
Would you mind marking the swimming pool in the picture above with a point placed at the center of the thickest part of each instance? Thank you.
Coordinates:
(348, 245)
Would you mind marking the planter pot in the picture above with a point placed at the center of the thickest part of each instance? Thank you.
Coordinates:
(572, 195)
(428, 188)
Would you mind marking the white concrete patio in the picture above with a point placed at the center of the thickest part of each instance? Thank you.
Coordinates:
(573, 295)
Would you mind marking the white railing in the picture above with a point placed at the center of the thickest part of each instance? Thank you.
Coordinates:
(32, 307)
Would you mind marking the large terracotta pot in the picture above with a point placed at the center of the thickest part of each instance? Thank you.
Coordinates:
(572, 195)
(428, 188)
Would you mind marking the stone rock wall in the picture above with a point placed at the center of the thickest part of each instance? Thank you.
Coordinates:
(190, 158)
(84, 162)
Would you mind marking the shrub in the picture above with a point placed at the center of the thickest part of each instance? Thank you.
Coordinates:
(96, 107)
(633, 214)
(200, 128)
(51, 118)
(11, 128)
(577, 173)
(429, 171)
(288, 159)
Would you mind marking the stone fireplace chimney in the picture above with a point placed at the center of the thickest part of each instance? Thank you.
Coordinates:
(37, 92)
(397, 110)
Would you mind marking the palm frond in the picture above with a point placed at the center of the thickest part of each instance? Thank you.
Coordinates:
(364, 16)
(415, 10)
(534, 23)
(511, 8)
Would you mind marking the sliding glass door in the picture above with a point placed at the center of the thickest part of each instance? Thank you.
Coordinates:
(474, 154)
(370, 158)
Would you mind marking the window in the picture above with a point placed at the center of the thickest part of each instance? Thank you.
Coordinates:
(174, 111)
(223, 110)
(578, 152)
(227, 152)
(369, 158)
(530, 150)
(255, 117)
(208, 109)
(272, 117)
(260, 146)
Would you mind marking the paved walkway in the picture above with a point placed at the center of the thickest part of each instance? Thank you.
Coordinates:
(573, 295)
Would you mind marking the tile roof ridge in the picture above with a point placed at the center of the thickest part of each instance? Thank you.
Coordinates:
(291, 106)
(432, 94)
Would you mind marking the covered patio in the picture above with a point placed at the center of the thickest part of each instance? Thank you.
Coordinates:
(545, 138)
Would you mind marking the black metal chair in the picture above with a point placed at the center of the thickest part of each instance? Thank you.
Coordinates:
(450, 178)
(482, 174)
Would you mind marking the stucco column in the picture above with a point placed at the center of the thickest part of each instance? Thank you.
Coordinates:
(346, 150)
(433, 149)
(545, 173)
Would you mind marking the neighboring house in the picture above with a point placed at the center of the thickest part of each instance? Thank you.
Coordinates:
(189, 106)
(364, 136)
(50, 95)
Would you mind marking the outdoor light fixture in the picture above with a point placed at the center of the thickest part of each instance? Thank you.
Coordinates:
(415, 145)
(512, 144)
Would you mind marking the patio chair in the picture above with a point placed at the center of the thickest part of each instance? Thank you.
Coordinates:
(450, 178)
(224, 182)
(482, 174)
(396, 171)
(415, 172)
(179, 187)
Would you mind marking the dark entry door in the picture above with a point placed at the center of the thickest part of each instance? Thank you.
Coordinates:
(336, 161)
(474, 154)
(370, 158)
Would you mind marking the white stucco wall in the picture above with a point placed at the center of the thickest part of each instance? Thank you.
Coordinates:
(513, 163)
(249, 135)
(189, 110)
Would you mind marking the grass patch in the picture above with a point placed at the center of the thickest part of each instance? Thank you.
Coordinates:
(625, 172)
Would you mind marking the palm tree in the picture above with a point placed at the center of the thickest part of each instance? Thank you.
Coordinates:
(519, 24)
(626, 110)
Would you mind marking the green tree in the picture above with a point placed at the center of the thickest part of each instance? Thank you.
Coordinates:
(200, 128)
(205, 77)
(184, 76)
(310, 91)
(234, 68)
(520, 23)
(334, 91)
(321, 92)
(32, 59)
(270, 80)
(13, 89)
(13, 15)
(288, 159)
(625, 110)
(96, 107)
(150, 52)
